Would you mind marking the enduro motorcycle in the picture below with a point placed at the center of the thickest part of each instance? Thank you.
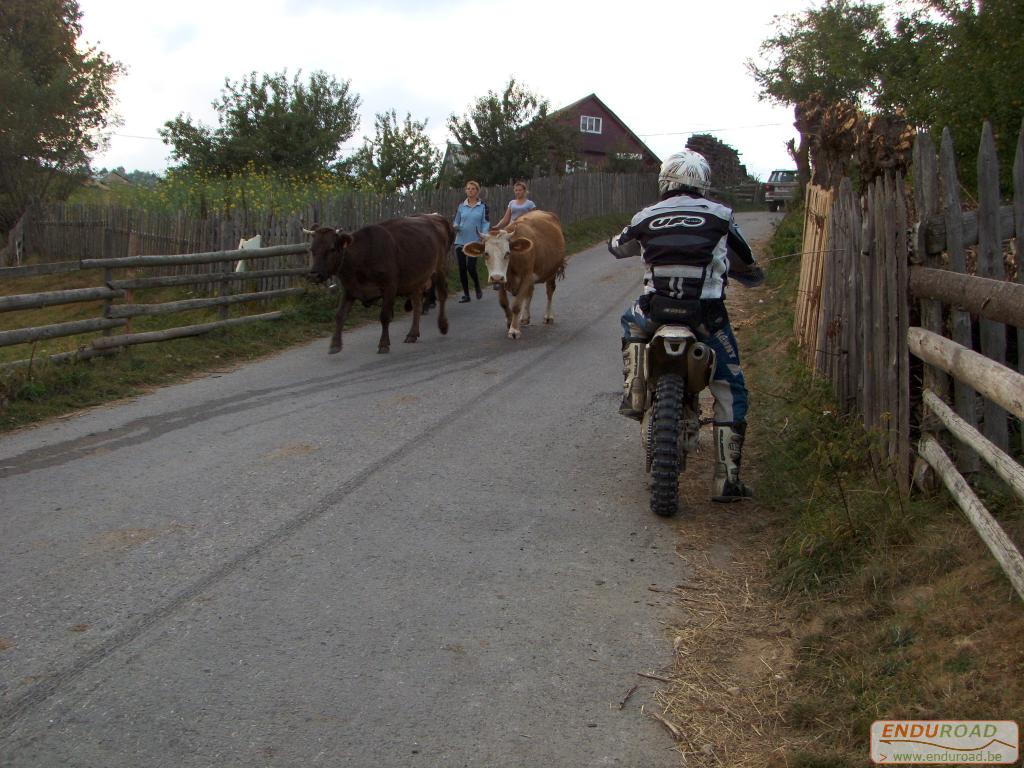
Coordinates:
(676, 368)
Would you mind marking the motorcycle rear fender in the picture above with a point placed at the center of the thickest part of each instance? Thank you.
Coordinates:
(669, 343)
(675, 348)
(675, 339)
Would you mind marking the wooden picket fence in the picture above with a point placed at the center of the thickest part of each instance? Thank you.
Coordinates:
(66, 232)
(896, 289)
(818, 206)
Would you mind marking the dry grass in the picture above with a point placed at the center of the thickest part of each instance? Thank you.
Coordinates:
(733, 655)
(732, 679)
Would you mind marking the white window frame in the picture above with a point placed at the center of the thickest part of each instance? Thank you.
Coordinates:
(590, 124)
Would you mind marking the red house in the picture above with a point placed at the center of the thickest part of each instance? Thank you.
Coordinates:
(604, 137)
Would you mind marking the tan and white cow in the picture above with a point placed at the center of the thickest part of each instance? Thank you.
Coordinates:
(531, 251)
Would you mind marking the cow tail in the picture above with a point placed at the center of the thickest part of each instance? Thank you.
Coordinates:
(560, 272)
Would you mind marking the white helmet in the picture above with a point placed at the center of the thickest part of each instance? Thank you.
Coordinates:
(685, 169)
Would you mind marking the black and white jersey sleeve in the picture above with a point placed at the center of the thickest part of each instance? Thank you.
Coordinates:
(742, 264)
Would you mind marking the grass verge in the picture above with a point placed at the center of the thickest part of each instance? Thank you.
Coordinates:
(44, 390)
(900, 610)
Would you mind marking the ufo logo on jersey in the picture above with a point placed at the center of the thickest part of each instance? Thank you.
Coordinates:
(681, 220)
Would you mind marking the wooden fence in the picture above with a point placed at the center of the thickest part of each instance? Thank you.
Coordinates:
(122, 284)
(896, 289)
(65, 232)
(69, 238)
(816, 219)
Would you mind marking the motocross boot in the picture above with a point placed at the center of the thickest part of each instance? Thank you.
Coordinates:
(633, 394)
(727, 485)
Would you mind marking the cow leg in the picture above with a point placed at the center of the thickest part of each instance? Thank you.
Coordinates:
(524, 315)
(549, 315)
(387, 311)
(441, 293)
(521, 302)
(503, 300)
(339, 323)
(429, 296)
(417, 310)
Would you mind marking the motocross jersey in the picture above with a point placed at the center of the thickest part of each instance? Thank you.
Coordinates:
(689, 245)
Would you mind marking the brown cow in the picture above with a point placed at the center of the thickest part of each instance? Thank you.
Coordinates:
(532, 251)
(397, 257)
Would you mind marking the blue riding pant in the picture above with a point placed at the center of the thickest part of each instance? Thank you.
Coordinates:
(727, 384)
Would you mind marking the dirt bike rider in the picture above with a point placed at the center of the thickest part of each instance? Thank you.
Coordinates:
(690, 246)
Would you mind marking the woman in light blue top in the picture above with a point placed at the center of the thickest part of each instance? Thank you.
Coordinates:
(471, 222)
(517, 206)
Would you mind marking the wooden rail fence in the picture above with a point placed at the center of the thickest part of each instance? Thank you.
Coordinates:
(119, 316)
(69, 238)
(896, 288)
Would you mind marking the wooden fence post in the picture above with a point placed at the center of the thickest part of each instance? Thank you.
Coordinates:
(990, 264)
(904, 458)
(1018, 240)
(108, 273)
(856, 322)
(965, 399)
(868, 308)
(878, 281)
(926, 199)
(228, 242)
(129, 294)
(889, 284)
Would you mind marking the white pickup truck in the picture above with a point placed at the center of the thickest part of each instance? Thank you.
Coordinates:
(780, 189)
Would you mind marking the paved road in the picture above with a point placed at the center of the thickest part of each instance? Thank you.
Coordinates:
(437, 557)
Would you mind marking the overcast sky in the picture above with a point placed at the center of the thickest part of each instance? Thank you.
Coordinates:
(667, 69)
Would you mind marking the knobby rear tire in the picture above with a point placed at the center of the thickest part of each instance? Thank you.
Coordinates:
(665, 461)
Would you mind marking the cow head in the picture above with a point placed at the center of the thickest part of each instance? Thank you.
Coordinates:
(328, 247)
(497, 249)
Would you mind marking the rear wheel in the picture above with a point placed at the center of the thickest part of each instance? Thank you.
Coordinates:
(666, 463)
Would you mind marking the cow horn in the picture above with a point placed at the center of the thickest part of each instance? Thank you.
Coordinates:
(308, 231)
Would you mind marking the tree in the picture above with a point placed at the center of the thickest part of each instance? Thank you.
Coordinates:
(510, 135)
(271, 123)
(398, 158)
(55, 102)
(954, 63)
(834, 50)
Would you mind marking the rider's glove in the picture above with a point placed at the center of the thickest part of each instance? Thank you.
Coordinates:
(751, 277)
(624, 251)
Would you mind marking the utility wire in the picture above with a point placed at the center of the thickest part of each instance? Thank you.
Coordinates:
(711, 130)
(158, 138)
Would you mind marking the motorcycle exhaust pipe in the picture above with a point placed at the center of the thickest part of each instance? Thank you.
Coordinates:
(700, 360)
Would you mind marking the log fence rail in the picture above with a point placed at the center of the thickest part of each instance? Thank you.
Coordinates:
(119, 315)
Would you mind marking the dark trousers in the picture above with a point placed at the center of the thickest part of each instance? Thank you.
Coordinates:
(467, 267)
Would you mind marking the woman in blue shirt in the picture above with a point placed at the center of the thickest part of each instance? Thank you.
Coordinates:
(471, 221)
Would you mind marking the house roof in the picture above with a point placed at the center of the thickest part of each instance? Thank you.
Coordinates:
(626, 128)
(116, 177)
